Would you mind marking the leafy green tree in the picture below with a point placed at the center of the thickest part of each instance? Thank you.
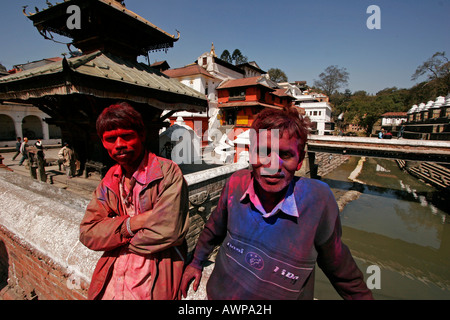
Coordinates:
(340, 100)
(235, 58)
(277, 75)
(226, 56)
(238, 57)
(425, 91)
(365, 110)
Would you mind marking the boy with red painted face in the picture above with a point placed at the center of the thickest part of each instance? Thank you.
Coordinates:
(274, 226)
(138, 216)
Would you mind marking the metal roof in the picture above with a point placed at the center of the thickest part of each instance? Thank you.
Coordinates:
(103, 21)
(105, 67)
(189, 70)
(247, 82)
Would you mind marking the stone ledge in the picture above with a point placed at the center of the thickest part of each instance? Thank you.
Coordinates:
(47, 218)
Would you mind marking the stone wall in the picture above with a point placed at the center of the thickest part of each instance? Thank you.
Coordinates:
(205, 188)
(39, 235)
(327, 162)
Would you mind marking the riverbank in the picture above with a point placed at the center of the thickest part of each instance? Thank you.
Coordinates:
(393, 220)
(328, 162)
(428, 172)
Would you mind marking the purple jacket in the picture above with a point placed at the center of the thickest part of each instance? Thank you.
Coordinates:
(274, 258)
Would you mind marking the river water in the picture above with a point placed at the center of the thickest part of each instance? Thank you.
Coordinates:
(397, 224)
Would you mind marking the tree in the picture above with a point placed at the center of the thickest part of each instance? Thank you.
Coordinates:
(277, 75)
(238, 57)
(437, 70)
(365, 109)
(435, 67)
(226, 56)
(332, 79)
(426, 91)
(339, 102)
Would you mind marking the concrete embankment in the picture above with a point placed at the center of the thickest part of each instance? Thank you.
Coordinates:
(431, 173)
(351, 195)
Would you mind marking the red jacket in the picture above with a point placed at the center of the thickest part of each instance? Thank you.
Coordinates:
(166, 194)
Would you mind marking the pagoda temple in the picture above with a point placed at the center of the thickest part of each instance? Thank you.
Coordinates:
(74, 91)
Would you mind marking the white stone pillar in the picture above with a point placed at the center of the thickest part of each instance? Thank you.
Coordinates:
(45, 131)
(18, 126)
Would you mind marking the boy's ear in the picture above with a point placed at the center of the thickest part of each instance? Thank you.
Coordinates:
(142, 136)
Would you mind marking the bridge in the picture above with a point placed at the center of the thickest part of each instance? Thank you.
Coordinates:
(402, 149)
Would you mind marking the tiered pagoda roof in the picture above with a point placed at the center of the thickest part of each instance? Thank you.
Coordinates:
(105, 25)
(102, 75)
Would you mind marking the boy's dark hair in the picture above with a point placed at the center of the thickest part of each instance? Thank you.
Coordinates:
(119, 115)
(287, 120)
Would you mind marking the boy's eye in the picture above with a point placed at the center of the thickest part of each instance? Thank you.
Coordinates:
(285, 155)
(110, 139)
(127, 137)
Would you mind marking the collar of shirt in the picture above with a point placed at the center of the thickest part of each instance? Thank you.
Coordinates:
(287, 205)
(140, 174)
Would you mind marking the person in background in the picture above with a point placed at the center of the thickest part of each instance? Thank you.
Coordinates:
(18, 143)
(273, 226)
(40, 149)
(388, 135)
(40, 157)
(66, 157)
(23, 150)
(138, 216)
(400, 132)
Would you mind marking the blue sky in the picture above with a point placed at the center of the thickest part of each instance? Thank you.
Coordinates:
(301, 38)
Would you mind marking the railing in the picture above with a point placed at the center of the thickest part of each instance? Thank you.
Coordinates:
(405, 149)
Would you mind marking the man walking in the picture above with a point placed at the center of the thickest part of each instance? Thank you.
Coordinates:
(18, 144)
(23, 150)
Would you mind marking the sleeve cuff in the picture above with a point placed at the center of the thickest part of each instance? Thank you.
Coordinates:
(197, 264)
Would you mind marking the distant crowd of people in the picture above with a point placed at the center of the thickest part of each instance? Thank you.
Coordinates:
(34, 157)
